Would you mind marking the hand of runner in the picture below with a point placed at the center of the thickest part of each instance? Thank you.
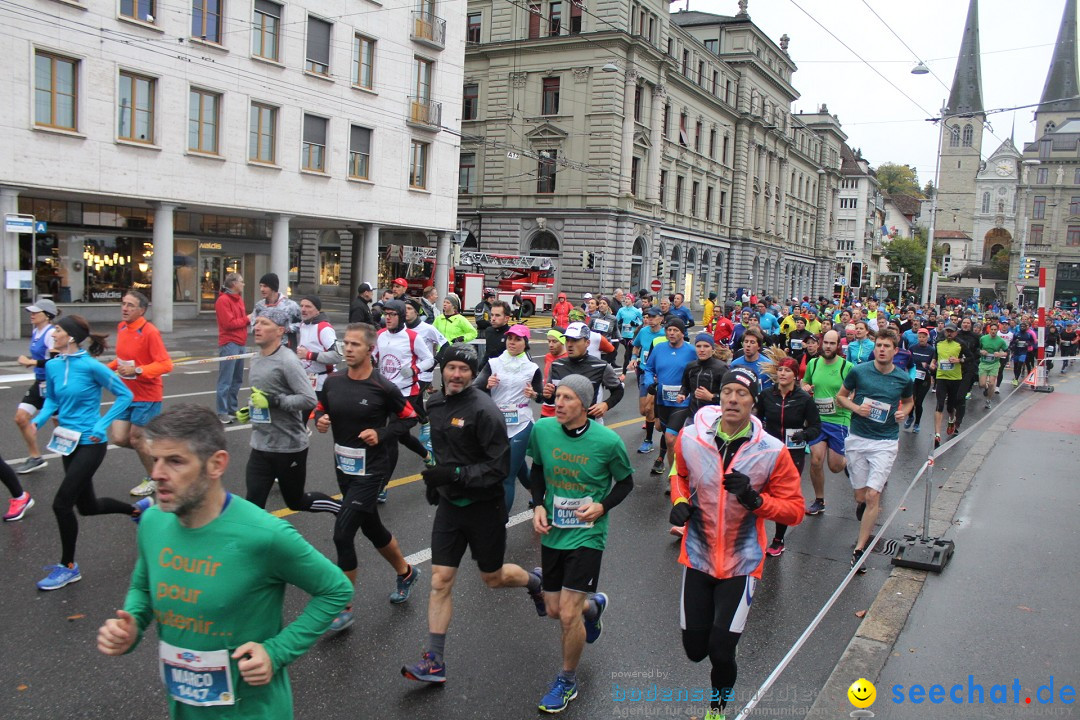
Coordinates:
(492, 381)
(900, 414)
(370, 437)
(861, 410)
(549, 390)
(680, 397)
(589, 513)
(703, 393)
(254, 663)
(26, 362)
(323, 423)
(118, 634)
(529, 392)
(598, 410)
(301, 352)
(540, 520)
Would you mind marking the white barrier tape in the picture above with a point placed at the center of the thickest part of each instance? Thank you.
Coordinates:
(242, 356)
(786, 660)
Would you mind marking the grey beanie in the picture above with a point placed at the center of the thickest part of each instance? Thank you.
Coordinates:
(582, 387)
(454, 300)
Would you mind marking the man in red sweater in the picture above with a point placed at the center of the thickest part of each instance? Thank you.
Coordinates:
(232, 320)
(141, 359)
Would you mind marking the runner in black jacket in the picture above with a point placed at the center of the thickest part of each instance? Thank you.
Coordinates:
(970, 341)
(706, 374)
(789, 413)
(579, 362)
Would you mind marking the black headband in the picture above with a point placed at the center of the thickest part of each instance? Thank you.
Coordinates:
(77, 332)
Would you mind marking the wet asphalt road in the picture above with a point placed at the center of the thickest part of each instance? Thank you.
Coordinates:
(500, 655)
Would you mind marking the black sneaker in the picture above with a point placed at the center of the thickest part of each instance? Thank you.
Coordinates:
(859, 510)
(855, 557)
(658, 467)
(538, 596)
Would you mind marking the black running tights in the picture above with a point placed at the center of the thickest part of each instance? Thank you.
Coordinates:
(713, 616)
(359, 511)
(10, 479)
(290, 469)
(77, 491)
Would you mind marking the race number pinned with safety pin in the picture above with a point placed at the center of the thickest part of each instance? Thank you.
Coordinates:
(879, 411)
(564, 512)
(350, 460)
(196, 677)
(64, 441)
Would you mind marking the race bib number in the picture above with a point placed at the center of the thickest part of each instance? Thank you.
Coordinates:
(349, 460)
(41, 386)
(920, 374)
(196, 677)
(945, 366)
(314, 380)
(64, 441)
(879, 411)
(601, 326)
(628, 332)
(1021, 344)
(825, 406)
(789, 435)
(671, 393)
(259, 416)
(125, 363)
(795, 344)
(1050, 349)
(510, 415)
(563, 512)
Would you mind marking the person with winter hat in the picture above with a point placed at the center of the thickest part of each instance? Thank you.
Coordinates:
(452, 324)
(271, 298)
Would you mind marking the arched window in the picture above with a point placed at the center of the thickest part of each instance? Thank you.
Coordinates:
(637, 263)
(986, 202)
(544, 244)
(674, 272)
(969, 133)
(1050, 126)
(718, 283)
(954, 137)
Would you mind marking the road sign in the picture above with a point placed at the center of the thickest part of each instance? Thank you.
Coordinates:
(655, 285)
(882, 294)
(975, 292)
(1019, 287)
(41, 227)
(19, 223)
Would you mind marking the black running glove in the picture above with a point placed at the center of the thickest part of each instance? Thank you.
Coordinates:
(680, 513)
(439, 475)
(798, 437)
(432, 495)
(738, 484)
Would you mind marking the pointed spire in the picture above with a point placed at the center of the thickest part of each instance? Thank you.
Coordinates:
(1012, 133)
(1061, 89)
(966, 95)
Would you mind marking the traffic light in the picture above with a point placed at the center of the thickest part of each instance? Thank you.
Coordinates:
(855, 280)
(660, 268)
(1029, 268)
(592, 259)
(584, 259)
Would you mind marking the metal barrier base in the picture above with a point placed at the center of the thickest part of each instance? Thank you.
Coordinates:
(931, 554)
(1043, 388)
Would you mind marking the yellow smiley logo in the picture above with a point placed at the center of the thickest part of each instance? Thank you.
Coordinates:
(862, 693)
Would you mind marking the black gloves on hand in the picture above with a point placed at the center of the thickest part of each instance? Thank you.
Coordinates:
(738, 484)
(680, 513)
(798, 437)
(439, 475)
(432, 495)
(652, 389)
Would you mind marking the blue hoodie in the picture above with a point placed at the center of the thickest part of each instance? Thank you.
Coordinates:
(74, 384)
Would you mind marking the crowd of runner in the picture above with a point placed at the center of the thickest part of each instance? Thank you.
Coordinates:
(733, 407)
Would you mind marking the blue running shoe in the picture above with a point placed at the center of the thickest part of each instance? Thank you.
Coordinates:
(538, 596)
(382, 497)
(343, 620)
(429, 459)
(915, 428)
(59, 576)
(425, 435)
(427, 670)
(909, 422)
(141, 506)
(646, 448)
(559, 696)
(404, 586)
(594, 628)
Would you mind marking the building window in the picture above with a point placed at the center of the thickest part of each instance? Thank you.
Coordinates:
(418, 165)
(954, 136)
(713, 46)
(1074, 206)
(206, 20)
(550, 101)
(638, 110)
(470, 102)
(575, 16)
(359, 153)
(969, 133)
(203, 109)
(1072, 238)
(701, 73)
(1042, 176)
(1038, 207)
(264, 30)
(693, 197)
(329, 266)
(684, 136)
(545, 171)
(698, 129)
(686, 63)
(534, 20)
(708, 202)
(635, 168)
(723, 151)
(363, 63)
(313, 148)
(466, 183)
(472, 27)
(723, 204)
(318, 46)
(1036, 234)
(142, 10)
(667, 120)
(715, 81)
(712, 143)
(1045, 148)
(986, 202)
(663, 187)
(56, 91)
(1076, 176)
(727, 91)
(679, 182)
(425, 70)
(652, 34)
(136, 108)
(554, 18)
(262, 133)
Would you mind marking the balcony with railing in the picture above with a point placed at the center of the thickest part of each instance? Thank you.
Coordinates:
(428, 29)
(424, 113)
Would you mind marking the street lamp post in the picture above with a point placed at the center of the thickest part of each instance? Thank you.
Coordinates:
(1030, 162)
(933, 212)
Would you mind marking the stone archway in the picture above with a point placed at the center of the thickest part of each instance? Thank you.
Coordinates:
(995, 241)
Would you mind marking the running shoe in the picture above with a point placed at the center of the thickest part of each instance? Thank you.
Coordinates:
(427, 670)
(404, 586)
(59, 576)
(646, 448)
(594, 628)
(909, 422)
(425, 435)
(855, 557)
(937, 440)
(1016, 383)
(816, 508)
(31, 464)
(997, 391)
(677, 531)
(17, 507)
(225, 419)
(950, 429)
(859, 510)
(715, 714)
(968, 396)
(776, 549)
(987, 405)
(429, 459)
(382, 497)
(343, 620)
(146, 487)
(560, 694)
(915, 429)
(658, 466)
(538, 596)
(141, 507)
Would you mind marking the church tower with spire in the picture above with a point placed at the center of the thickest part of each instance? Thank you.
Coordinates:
(961, 146)
(1061, 95)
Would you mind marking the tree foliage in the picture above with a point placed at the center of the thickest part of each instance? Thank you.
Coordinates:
(1000, 261)
(896, 178)
(908, 255)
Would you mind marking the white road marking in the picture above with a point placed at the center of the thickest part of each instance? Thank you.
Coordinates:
(197, 372)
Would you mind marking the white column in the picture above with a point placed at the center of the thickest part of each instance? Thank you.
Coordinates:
(656, 141)
(162, 292)
(369, 270)
(442, 264)
(9, 260)
(627, 132)
(356, 275)
(279, 250)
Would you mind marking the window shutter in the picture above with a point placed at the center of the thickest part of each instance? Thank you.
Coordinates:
(318, 41)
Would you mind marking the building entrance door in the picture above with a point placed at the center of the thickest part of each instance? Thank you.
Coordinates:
(212, 270)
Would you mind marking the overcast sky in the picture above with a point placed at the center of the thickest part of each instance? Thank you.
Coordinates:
(1016, 41)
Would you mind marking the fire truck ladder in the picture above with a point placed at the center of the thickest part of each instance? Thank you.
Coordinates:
(413, 254)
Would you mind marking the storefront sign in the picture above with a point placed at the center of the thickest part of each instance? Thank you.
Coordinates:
(209, 246)
(99, 295)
